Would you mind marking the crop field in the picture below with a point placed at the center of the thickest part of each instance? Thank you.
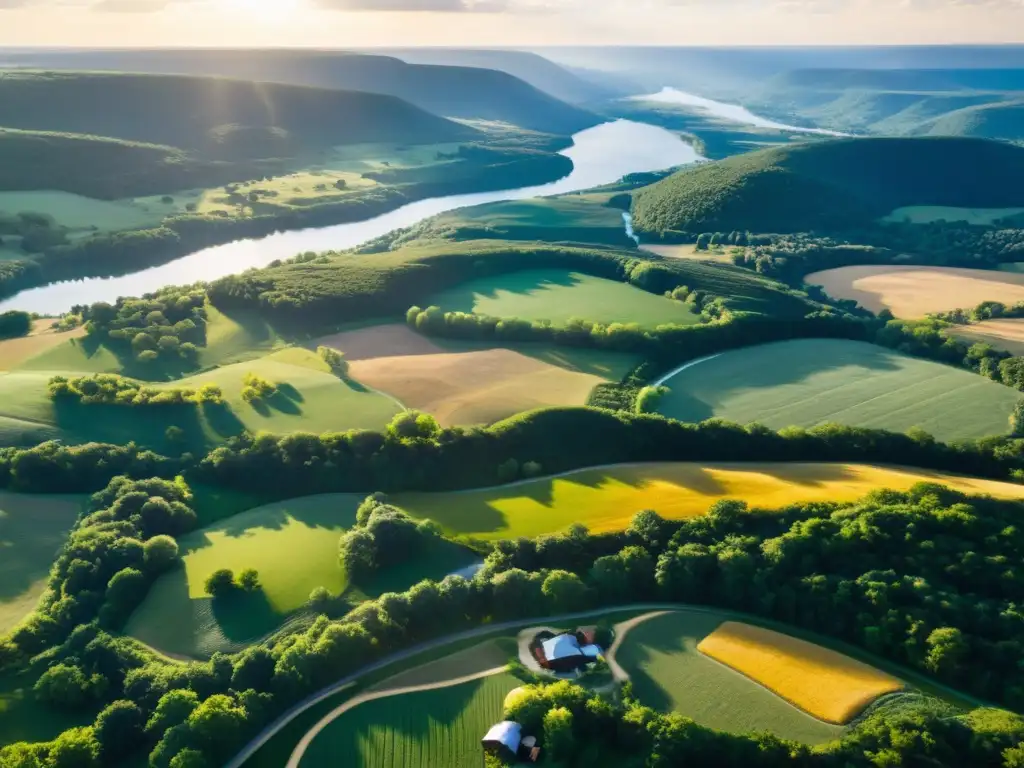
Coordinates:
(670, 674)
(13, 352)
(911, 292)
(1001, 334)
(605, 499)
(558, 295)
(687, 251)
(469, 661)
(437, 727)
(484, 386)
(820, 681)
(809, 382)
(32, 530)
(926, 214)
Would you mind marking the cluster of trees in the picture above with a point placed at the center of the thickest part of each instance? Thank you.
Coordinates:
(223, 582)
(111, 389)
(335, 361)
(34, 231)
(14, 324)
(986, 310)
(383, 536)
(54, 467)
(256, 389)
(167, 325)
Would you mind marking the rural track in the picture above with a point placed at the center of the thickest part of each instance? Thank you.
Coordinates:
(339, 685)
(334, 714)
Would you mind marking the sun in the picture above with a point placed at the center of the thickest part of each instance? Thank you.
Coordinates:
(265, 10)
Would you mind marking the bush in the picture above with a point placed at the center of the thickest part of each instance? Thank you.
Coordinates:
(249, 580)
(221, 582)
(334, 359)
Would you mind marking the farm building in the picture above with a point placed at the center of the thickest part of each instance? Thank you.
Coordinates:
(565, 653)
(506, 740)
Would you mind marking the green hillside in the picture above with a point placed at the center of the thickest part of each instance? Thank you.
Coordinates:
(1003, 120)
(453, 91)
(217, 117)
(832, 184)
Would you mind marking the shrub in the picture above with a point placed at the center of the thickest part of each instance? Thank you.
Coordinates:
(220, 583)
(334, 359)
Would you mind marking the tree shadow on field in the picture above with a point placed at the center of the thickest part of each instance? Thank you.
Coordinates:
(279, 401)
(463, 298)
(327, 511)
(222, 420)
(824, 473)
(288, 390)
(245, 616)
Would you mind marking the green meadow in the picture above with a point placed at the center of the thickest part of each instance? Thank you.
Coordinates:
(809, 382)
(441, 727)
(559, 295)
(669, 674)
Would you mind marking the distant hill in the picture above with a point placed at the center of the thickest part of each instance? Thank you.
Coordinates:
(214, 116)
(1004, 120)
(903, 79)
(832, 184)
(451, 91)
(532, 68)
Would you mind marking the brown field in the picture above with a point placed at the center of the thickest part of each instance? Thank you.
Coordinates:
(478, 387)
(1001, 334)
(911, 292)
(392, 340)
(820, 681)
(42, 337)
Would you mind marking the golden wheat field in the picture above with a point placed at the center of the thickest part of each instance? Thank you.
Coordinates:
(820, 681)
(910, 292)
(1001, 334)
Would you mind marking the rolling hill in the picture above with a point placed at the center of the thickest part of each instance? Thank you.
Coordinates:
(832, 184)
(1003, 120)
(463, 92)
(214, 116)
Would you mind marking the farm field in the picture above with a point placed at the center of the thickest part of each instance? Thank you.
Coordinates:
(32, 530)
(13, 352)
(826, 684)
(558, 295)
(670, 674)
(912, 292)
(687, 251)
(435, 727)
(606, 498)
(1001, 334)
(926, 214)
(294, 547)
(809, 382)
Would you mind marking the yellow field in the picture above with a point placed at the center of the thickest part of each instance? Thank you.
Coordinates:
(910, 292)
(606, 499)
(822, 682)
(1001, 334)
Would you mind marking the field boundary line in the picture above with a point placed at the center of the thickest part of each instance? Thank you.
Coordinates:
(661, 381)
(334, 714)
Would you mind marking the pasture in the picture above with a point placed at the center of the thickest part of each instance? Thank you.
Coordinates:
(927, 214)
(559, 295)
(606, 498)
(670, 674)
(33, 528)
(13, 352)
(826, 684)
(84, 215)
(441, 727)
(809, 382)
(913, 292)
(687, 251)
(1002, 334)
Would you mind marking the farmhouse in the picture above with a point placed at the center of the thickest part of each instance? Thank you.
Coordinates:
(565, 653)
(506, 740)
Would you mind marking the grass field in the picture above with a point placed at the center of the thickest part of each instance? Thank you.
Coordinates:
(909, 291)
(926, 214)
(688, 251)
(605, 499)
(32, 530)
(1001, 334)
(826, 684)
(13, 352)
(441, 727)
(82, 214)
(669, 674)
(810, 382)
(558, 295)
(294, 547)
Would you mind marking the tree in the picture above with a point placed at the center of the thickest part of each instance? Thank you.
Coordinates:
(218, 724)
(75, 748)
(64, 686)
(558, 736)
(340, 184)
(703, 241)
(189, 758)
(118, 730)
(220, 582)
(532, 469)
(1017, 419)
(947, 648)
(161, 552)
(249, 580)
(335, 360)
(564, 591)
(173, 709)
(508, 471)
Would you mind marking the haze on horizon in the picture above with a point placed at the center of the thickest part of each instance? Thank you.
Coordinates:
(368, 23)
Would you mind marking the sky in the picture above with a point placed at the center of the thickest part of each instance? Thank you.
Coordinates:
(368, 23)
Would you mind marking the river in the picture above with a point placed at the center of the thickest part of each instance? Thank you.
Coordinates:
(731, 112)
(600, 155)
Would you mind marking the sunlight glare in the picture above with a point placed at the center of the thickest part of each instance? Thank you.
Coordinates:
(265, 10)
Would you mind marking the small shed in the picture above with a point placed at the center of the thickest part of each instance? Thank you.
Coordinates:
(504, 739)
